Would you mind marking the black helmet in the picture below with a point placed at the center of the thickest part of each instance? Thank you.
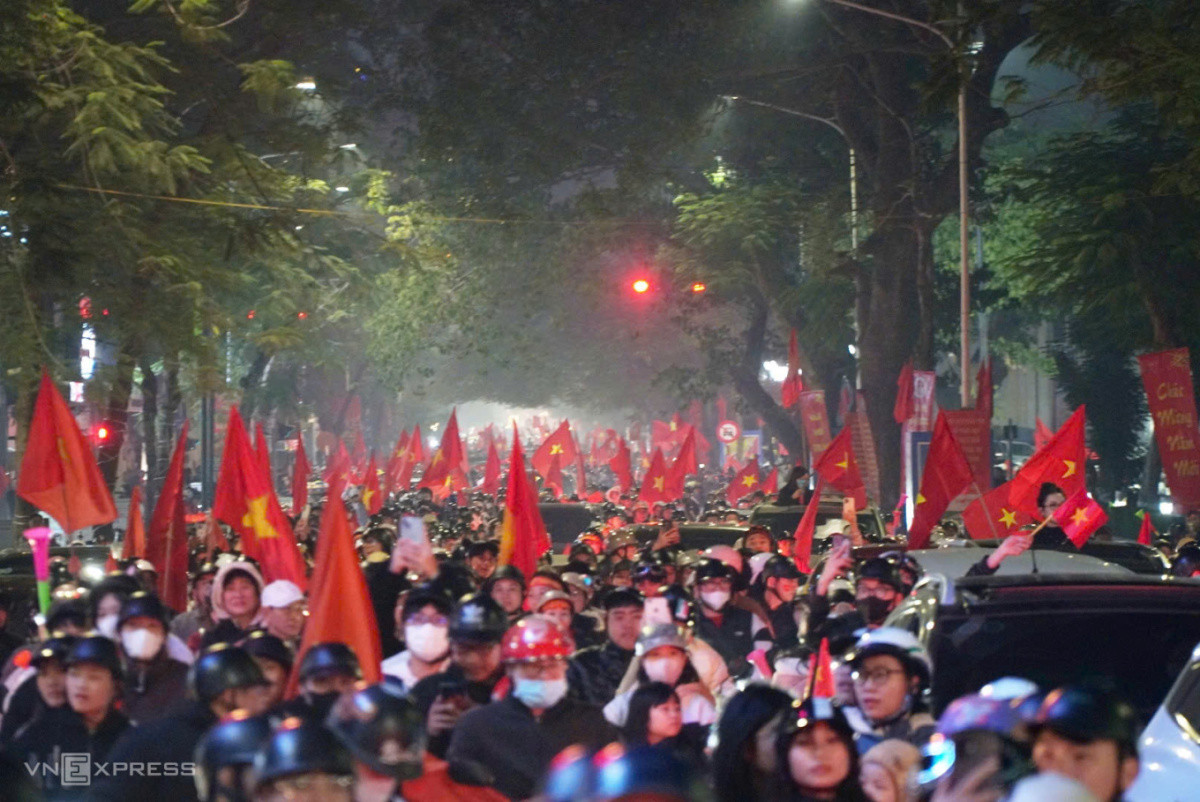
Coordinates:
(381, 727)
(883, 570)
(301, 746)
(332, 657)
(1084, 715)
(507, 572)
(712, 568)
(650, 571)
(98, 650)
(67, 612)
(232, 742)
(55, 647)
(477, 547)
(221, 667)
(780, 567)
(425, 594)
(1187, 561)
(905, 562)
(142, 603)
(478, 619)
(622, 597)
(206, 568)
(263, 644)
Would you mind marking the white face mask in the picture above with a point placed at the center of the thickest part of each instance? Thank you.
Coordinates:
(141, 643)
(427, 642)
(664, 669)
(714, 599)
(107, 624)
(539, 694)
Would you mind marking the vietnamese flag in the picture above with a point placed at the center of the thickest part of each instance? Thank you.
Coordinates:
(446, 461)
(654, 487)
(771, 483)
(1080, 516)
(1060, 462)
(1146, 530)
(339, 605)
(134, 544)
(245, 501)
(820, 674)
(358, 457)
(58, 474)
(1041, 435)
(554, 477)
(523, 538)
(993, 516)
(745, 482)
(947, 473)
(491, 471)
(838, 467)
(904, 407)
(372, 496)
(391, 470)
(300, 472)
(685, 464)
(167, 539)
(416, 448)
(803, 539)
(337, 469)
(559, 444)
(621, 465)
(983, 388)
(793, 385)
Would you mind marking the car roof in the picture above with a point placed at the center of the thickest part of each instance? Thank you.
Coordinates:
(955, 561)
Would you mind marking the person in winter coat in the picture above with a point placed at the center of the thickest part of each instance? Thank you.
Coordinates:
(45, 690)
(661, 656)
(890, 669)
(595, 673)
(153, 681)
(655, 718)
(89, 724)
(236, 603)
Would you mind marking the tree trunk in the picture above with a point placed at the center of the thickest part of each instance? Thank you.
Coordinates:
(745, 381)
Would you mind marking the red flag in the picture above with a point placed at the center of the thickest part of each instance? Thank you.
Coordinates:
(947, 473)
(553, 479)
(523, 538)
(1146, 531)
(1061, 462)
(416, 448)
(337, 469)
(358, 457)
(654, 484)
(559, 444)
(802, 548)
(665, 435)
(372, 496)
(339, 605)
(59, 475)
(771, 483)
(300, 472)
(983, 388)
(134, 544)
(838, 467)
(167, 539)
(1041, 435)
(391, 471)
(245, 501)
(263, 453)
(993, 516)
(491, 471)
(685, 464)
(745, 482)
(621, 466)
(820, 674)
(1080, 516)
(793, 385)
(446, 461)
(904, 407)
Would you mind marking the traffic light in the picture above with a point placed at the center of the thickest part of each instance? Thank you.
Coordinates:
(641, 286)
(699, 287)
(102, 432)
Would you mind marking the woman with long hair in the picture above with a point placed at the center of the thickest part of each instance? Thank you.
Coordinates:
(818, 761)
(745, 768)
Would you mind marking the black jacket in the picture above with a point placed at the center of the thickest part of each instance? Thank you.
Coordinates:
(62, 731)
(783, 621)
(151, 690)
(505, 738)
(732, 639)
(594, 673)
(170, 743)
(426, 691)
(24, 706)
(383, 587)
(224, 632)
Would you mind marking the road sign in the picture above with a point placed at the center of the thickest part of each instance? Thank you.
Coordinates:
(728, 431)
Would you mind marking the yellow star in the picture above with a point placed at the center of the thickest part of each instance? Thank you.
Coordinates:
(556, 449)
(1080, 516)
(437, 457)
(255, 518)
(62, 451)
(449, 479)
(673, 426)
(1070, 464)
(845, 463)
(660, 483)
(920, 499)
(367, 496)
(749, 481)
(1008, 517)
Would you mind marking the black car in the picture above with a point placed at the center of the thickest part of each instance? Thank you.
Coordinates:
(565, 522)
(1133, 632)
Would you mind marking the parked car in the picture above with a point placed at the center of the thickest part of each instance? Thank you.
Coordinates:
(1055, 629)
(1170, 745)
(1130, 554)
(782, 521)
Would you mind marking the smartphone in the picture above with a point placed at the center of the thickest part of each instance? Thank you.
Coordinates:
(451, 689)
(413, 528)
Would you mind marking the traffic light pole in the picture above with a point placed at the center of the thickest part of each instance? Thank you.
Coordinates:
(207, 448)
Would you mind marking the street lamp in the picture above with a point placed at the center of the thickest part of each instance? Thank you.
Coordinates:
(964, 299)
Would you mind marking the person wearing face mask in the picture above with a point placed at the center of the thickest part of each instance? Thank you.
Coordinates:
(596, 672)
(236, 603)
(775, 589)
(891, 670)
(327, 670)
(745, 767)
(423, 623)
(105, 600)
(727, 628)
(661, 656)
(516, 737)
(153, 680)
(223, 679)
(877, 590)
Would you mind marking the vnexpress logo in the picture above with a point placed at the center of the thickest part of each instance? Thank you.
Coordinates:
(75, 769)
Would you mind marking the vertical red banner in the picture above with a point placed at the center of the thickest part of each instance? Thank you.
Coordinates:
(973, 430)
(1167, 377)
(815, 418)
(864, 447)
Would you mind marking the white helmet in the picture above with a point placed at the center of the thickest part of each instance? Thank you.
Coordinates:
(899, 643)
(757, 562)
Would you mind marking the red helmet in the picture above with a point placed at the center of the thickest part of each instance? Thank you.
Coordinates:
(535, 638)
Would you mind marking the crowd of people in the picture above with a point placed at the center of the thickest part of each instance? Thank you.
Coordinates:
(617, 668)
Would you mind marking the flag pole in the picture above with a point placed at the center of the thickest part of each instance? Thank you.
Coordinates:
(991, 523)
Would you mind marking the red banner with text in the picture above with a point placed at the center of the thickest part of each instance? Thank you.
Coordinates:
(1167, 377)
(973, 430)
(815, 418)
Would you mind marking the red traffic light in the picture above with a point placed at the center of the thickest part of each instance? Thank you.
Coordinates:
(641, 286)
(102, 432)
(699, 287)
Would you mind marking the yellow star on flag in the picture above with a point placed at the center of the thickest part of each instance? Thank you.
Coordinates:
(1008, 517)
(920, 499)
(845, 463)
(749, 481)
(437, 457)
(556, 449)
(1080, 516)
(62, 451)
(660, 483)
(446, 483)
(367, 496)
(1070, 468)
(256, 518)
(673, 426)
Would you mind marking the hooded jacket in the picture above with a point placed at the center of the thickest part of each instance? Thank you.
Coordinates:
(225, 630)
